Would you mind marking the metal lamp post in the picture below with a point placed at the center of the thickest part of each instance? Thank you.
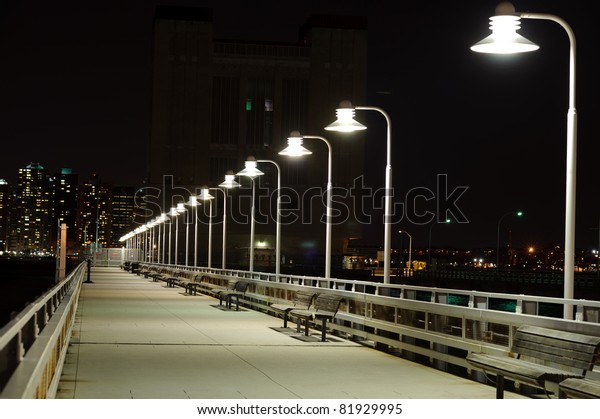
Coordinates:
(173, 213)
(345, 123)
(206, 196)
(252, 172)
(193, 202)
(277, 218)
(228, 183)
(505, 40)
(296, 149)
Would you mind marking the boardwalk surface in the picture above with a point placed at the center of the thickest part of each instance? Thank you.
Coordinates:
(139, 339)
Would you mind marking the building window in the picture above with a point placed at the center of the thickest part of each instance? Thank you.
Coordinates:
(294, 106)
(259, 112)
(225, 99)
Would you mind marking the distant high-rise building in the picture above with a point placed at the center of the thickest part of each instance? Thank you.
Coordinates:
(64, 206)
(123, 206)
(94, 214)
(216, 102)
(5, 201)
(31, 215)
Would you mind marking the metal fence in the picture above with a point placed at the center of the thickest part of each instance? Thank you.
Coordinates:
(33, 345)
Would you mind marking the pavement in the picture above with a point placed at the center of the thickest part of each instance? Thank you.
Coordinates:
(138, 339)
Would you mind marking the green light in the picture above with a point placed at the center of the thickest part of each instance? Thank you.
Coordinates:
(520, 214)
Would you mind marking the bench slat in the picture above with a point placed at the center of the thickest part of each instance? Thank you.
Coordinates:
(581, 388)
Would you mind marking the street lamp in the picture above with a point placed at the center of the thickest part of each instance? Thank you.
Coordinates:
(206, 196)
(506, 22)
(193, 202)
(173, 213)
(251, 171)
(296, 149)
(180, 209)
(228, 183)
(277, 218)
(409, 250)
(345, 123)
(429, 248)
(518, 214)
(161, 240)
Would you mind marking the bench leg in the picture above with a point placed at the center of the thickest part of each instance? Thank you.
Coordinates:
(306, 327)
(323, 330)
(499, 386)
(285, 318)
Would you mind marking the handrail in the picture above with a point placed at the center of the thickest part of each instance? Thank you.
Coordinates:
(33, 345)
(522, 303)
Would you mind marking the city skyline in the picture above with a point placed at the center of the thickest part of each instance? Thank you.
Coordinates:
(496, 128)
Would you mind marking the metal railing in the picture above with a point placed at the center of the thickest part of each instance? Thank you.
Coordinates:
(33, 345)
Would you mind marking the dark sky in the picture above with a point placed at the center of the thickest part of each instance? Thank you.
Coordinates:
(75, 92)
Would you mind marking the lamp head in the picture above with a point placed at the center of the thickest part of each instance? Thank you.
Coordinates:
(250, 169)
(229, 182)
(205, 194)
(345, 121)
(295, 147)
(181, 207)
(504, 38)
(173, 212)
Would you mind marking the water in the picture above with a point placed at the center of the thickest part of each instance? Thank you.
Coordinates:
(22, 281)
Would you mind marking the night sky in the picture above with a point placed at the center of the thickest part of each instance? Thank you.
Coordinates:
(76, 87)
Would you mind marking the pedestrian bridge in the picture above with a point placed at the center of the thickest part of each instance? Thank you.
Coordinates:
(123, 336)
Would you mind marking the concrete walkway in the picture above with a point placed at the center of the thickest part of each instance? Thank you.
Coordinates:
(139, 339)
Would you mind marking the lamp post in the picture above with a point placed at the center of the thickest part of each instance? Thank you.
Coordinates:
(277, 218)
(409, 250)
(251, 171)
(173, 213)
(518, 214)
(345, 123)
(228, 183)
(296, 149)
(164, 218)
(505, 40)
(429, 247)
(193, 202)
(180, 209)
(206, 196)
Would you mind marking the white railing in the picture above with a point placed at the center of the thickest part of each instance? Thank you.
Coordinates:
(33, 345)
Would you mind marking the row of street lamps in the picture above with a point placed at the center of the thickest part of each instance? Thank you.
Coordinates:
(503, 40)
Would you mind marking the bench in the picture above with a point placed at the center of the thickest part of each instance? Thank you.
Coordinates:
(126, 265)
(134, 268)
(238, 290)
(325, 308)
(579, 388)
(213, 288)
(551, 356)
(302, 300)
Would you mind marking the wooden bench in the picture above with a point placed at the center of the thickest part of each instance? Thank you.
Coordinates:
(302, 300)
(325, 308)
(160, 275)
(550, 357)
(228, 295)
(579, 388)
(213, 288)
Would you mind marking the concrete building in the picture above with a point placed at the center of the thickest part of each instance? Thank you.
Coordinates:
(217, 101)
